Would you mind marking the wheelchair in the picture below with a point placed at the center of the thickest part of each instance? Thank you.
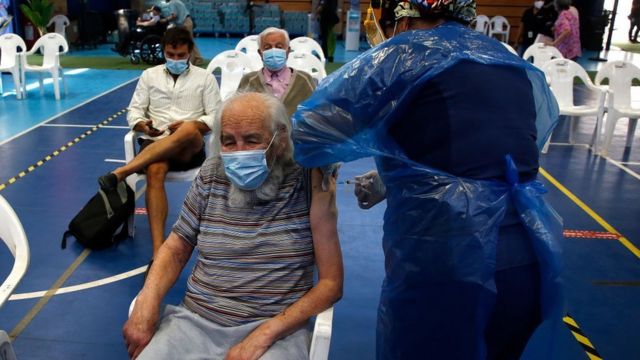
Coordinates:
(145, 44)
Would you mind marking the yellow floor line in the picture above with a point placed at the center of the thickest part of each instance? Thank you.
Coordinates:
(624, 241)
(45, 299)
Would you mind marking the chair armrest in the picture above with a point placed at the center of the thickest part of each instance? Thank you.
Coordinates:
(129, 145)
(321, 340)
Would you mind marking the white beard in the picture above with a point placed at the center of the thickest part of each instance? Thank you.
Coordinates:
(268, 191)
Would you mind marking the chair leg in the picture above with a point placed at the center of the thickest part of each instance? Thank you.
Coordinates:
(132, 180)
(56, 84)
(572, 128)
(545, 148)
(24, 84)
(631, 131)
(1, 87)
(40, 83)
(610, 127)
(17, 85)
(64, 81)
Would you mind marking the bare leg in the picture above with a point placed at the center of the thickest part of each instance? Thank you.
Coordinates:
(182, 144)
(156, 199)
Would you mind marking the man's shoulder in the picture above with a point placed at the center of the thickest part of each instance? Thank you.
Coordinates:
(304, 77)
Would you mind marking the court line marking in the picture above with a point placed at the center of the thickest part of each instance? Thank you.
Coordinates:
(579, 335)
(622, 167)
(26, 320)
(119, 161)
(83, 286)
(629, 162)
(623, 240)
(86, 126)
(67, 111)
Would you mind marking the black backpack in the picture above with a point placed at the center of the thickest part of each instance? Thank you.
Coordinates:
(96, 224)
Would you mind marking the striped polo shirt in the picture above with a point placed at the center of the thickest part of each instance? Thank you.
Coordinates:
(252, 261)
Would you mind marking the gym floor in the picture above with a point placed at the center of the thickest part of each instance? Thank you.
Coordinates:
(72, 303)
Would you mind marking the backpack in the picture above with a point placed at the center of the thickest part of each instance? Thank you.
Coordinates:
(96, 224)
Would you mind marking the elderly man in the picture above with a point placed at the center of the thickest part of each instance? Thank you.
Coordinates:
(289, 85)
(259, 222)
(173, 106)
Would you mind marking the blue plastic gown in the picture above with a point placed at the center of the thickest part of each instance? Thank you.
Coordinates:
(440, 231)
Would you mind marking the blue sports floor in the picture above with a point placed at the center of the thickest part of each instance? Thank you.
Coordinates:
(597, 197)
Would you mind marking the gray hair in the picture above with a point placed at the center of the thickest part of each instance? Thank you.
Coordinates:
(271, 30)
(278, 119)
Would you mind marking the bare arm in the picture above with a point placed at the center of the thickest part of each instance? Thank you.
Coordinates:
(561, 38)
(167, 266)
(328, 290)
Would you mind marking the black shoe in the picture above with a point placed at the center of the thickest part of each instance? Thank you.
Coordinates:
(108, 181)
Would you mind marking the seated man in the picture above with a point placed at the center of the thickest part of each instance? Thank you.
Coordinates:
(290, 86)
(259, 222)
(173, 106)
(152, 20)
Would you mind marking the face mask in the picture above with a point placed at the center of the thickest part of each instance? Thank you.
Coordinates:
(274, 59)
(247, 169)
(177, 67)
(538, 4)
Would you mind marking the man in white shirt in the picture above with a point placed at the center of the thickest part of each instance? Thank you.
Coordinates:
(179, 15)
(173, 106)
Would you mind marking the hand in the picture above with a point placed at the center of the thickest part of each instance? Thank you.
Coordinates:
(247, 350)
(148, 129)
(174, 126)
(369, 189)
(328, 172)
(139, 330)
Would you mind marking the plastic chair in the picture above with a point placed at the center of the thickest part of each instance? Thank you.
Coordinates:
(620, 75)
(11, 46)
(482, 24)
(510, 48)
(499, 25)
(249, 45)
(172, 176)
(60, 23)
(320, 340)
(307, 63)
(308, 45)
(50, 45)
(12, 233)
(232, 64)
(561, 74)
(541, 54)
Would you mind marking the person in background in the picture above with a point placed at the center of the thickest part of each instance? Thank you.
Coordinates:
(566, 30)
(531, 25)
(260, 224)
(328, 17)
(152, 18)
(276, 78)
(173, 107)
(179, 15)
(634, 21)
(454, 122)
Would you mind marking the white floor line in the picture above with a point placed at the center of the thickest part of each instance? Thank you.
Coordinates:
(120, 161)
(66, 111)
(629, 163)
(87, 126)
(569, 144)
(622, 167)
(79, 287)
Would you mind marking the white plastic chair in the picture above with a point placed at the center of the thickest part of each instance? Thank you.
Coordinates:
(12, 234)
(541, 54)
(308, 45)
(561, 74)
(620, 75)
(481, 24)
(510, 48)
(307, 63)
(249, 45)
(499, 25)
(172, 176)
(60, 23)
(320, 340)
(50, 45)
(232, 64)
(11, 46)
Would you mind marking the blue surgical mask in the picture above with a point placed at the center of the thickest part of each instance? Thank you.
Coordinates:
(177, 67)
(247, 169)
(274, 59)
